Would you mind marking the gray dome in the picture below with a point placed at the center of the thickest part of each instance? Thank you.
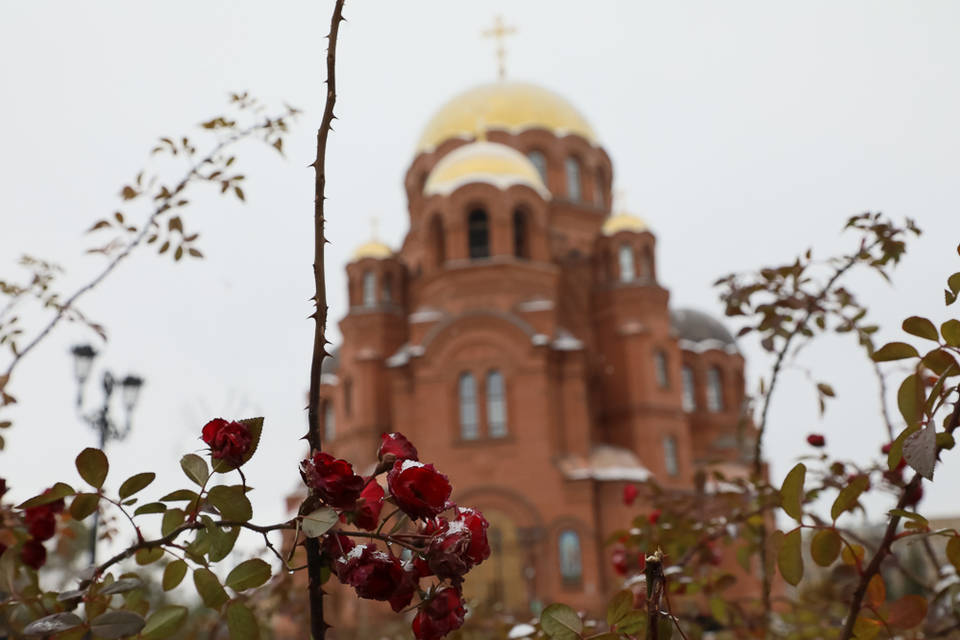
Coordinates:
(698, 327)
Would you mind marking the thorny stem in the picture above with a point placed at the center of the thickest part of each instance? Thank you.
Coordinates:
(318, 626)
(761, 429)
(888, 538)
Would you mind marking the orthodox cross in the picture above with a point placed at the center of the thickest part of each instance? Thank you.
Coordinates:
(499, 32)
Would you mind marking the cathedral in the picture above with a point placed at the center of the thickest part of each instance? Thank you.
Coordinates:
(520, 337)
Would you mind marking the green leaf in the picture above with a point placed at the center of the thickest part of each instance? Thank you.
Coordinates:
(939, 361)
(951, 332)
(93, 466)
(231, 502)
(57, 491)
(164, 622)
(791, 493)
(241, 622)
(560, 622)
(248, 574)
(825, 547)
(172, 518)
(847, 498)
(208, 586)
(173, 574)
(633, 623)
(51, 624)
(123, 585)
(619, 606)
(195, 467)
(921, 327)
(117, 624)
(319, 522)
(136, 483)
(179, 495)
(255, 425)
(954, 283)
(908, 612)
(953, 552)
(150, 507)
(909, 515)
(148, 556)
(83, 505)
(910, 398)
(221, 541)
(895, 351)
(718, 609)
(790, 558)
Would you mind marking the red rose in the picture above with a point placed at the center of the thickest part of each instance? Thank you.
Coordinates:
(447, 552)
(885, 449)
(654, 516)
(333, 480)
(816, 440)
(619, 560)
(228, 440)
(366, 514)
(629, 494)
(418, 489)
(374, 574)
(403, 592)
(477, 525)
(393, 447)
(33, 554)
(41, 524)
(440, 615)
(334, 547)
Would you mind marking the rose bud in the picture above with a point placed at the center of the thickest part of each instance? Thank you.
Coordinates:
(914, 495)
(228, 441)
(41, 523)
(366, 513)
(619, 560)
(418, 489)
(333, 480)
(440, 615)
(885, 449)
(654, 516)
(629, 494)
(816, 440)
(372, 573)
(477, 525)
(393, 447)
(33, 554)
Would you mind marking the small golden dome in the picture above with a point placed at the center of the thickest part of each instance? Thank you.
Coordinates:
(510, 106)
(488, 162)
(623, 222)
(372, 249)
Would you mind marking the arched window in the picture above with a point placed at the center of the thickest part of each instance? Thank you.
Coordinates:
(689, 394)
(437, 241)
(329, 421)
(347, 397)
(625, 258)
(369, 289)
(540, 162)
(568, 546)
(388, 287)
(478, 234)
(714, 390)
(660, 366)
(496, 406)
(520, 236)
(670, 455)
(467, 389)
(598, 188)
(574, 190)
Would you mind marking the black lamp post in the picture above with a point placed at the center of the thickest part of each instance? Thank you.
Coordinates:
(100, 419)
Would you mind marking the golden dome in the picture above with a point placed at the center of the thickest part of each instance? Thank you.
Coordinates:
(510, 106)
(623, 222)
(372, 249)
(488, 162)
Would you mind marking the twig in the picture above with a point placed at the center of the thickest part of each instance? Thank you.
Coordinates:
(318, 626)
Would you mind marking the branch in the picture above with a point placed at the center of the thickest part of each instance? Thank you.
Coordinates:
(318, 626)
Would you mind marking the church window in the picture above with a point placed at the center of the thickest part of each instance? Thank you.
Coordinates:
(329, 421)
(468, 407)
(496, 405)
(574, 190)
(625, 258)
(660, 365)
(689, 396)
(670, 455)
(478, 234)
(714, 390)
(388, 288)
(369, 289)
(347, 397)
(540, 162)
(568, 545)
(520, 236)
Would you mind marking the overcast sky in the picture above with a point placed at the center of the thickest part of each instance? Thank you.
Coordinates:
(744, 132)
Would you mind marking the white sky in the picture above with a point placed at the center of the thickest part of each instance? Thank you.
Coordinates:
(744, 132)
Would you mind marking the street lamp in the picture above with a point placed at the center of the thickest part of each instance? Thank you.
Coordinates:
(100, 419)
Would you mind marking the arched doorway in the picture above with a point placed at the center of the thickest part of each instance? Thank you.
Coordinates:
(503, 579)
